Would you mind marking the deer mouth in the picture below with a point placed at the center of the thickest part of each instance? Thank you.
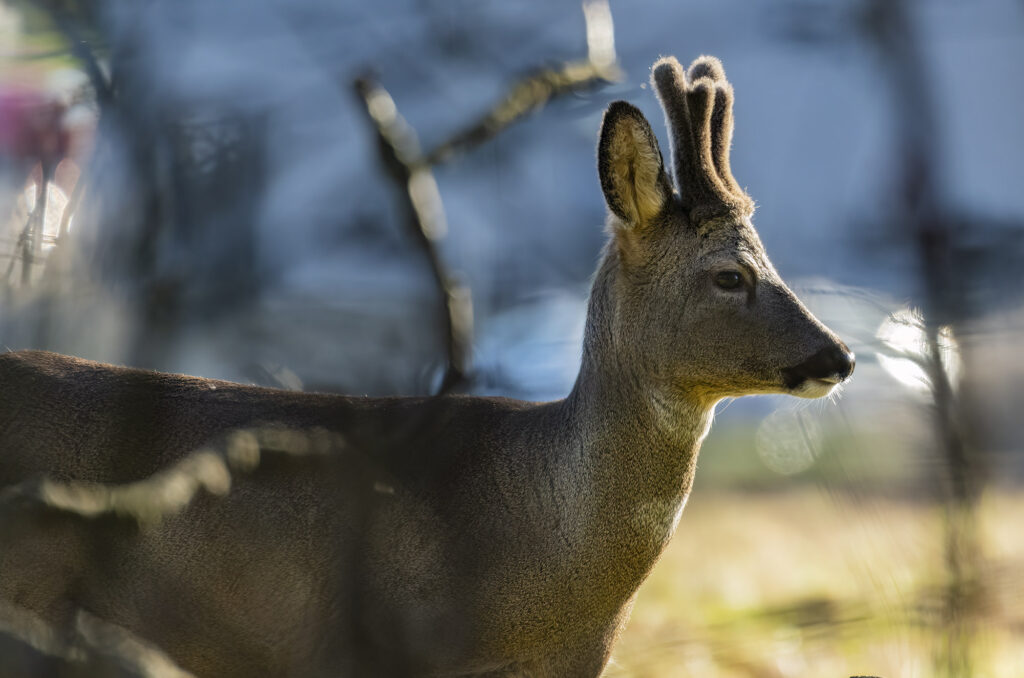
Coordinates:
(819, 374)
(815, 388)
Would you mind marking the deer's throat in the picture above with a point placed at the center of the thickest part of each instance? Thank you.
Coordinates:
(641, 463)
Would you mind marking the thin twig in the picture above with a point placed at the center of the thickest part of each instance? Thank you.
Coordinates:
(525, 96)
(69, 210)
(90, 647)
(23, 237)
(30, 238)
(81, 50)
(534, 91)
(167, 492)
(400, 153)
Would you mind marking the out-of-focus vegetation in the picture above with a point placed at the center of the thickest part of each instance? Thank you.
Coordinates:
(810, 583)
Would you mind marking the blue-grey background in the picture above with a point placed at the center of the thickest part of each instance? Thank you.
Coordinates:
(333, 295)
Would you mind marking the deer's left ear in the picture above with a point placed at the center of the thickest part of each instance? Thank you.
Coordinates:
(633, 177)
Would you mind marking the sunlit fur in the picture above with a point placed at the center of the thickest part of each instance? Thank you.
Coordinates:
(815, 388)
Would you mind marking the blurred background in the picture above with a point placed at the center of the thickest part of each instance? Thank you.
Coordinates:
(400, 197)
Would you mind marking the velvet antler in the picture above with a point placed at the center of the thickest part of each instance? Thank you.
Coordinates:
(698, 111)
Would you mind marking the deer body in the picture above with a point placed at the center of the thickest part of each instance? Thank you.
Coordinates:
(498, 538)
(448, 536)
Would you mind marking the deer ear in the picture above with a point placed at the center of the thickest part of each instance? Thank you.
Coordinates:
(633, 177)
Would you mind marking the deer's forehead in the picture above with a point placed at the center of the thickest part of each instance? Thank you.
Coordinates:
(734, 238)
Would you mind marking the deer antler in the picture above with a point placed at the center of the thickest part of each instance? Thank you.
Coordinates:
(698, 111)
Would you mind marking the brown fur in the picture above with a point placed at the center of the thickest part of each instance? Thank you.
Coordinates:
(449, 536)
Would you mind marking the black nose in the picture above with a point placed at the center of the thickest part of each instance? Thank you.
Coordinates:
(834, 363)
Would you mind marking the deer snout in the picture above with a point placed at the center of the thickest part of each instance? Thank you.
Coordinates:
(831, 364)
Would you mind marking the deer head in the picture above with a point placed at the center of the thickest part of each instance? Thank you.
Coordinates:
(695, 302)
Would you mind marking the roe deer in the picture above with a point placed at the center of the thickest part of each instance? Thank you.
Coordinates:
(447, 536)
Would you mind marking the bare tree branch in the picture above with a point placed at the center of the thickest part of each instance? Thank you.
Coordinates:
(69, 210)
(168, 492)
(81, 50)
(525, 96)
(534, 91)
(94, 648)
(400, 153)
(409, 168)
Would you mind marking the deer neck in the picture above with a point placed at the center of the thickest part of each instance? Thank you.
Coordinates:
(638, 446)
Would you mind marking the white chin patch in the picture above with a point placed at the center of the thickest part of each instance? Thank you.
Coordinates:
(814, 388)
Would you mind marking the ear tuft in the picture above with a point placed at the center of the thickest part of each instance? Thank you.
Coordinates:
(630, 166)
(706, 67)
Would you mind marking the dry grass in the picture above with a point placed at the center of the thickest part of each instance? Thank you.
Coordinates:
(810, 584)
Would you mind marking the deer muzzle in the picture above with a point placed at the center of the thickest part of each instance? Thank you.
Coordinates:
(830, 366)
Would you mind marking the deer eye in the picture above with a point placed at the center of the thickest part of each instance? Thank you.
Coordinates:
(728, 280)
